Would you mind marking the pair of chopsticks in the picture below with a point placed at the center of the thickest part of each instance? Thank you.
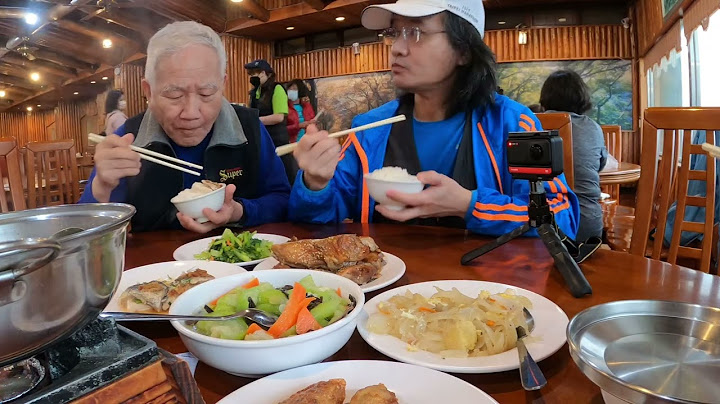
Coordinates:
(148, 155)
(712, 150)
(288, 148)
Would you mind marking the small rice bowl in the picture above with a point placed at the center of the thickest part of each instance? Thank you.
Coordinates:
(394, 174)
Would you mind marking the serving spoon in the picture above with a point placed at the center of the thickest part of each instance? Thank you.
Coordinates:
(261, 318)
(531, 376)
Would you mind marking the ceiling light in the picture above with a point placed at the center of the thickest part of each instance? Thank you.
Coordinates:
(107, 43)
(31, 18)
(29, 109)
(236, 1)
(104, 78)
(2, 93)
(34, 76)
(39, 105)
(93, 82)
(76, 93)
(562, 19)
(380, 35)
(501, 23)
(339, 18)
(522, 37)
(290, 28)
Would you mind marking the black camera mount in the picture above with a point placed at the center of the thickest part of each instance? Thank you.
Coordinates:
(540, 217)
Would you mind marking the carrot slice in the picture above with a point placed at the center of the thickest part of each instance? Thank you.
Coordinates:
(306, 322)
(427, 310)
(490, 323)
(251, 284)
(339, 292)
(253, 327)
(289, 316)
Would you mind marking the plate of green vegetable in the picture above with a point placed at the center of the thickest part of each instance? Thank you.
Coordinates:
(243, 249)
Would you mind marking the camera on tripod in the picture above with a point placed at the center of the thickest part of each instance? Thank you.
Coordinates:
(535, 155)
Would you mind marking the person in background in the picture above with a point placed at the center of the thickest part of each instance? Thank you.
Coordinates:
(565, 91)
(189, 118)
(271, 100)
(454, 137)
(115, 106)
(536, 108)
(300, 112)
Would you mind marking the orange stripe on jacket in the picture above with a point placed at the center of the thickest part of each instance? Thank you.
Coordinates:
(492, 157)
(529, 120)
(563, 189)
(553, 187)
(500, 208)
(525, 126)
(365, 206)
(500, 217)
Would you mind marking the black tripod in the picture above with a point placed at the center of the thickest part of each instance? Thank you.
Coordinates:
(542, 219)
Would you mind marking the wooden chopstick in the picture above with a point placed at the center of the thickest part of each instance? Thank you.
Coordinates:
(147, 155)
(288, 148)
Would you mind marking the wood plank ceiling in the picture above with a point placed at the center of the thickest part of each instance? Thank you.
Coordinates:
(64, 47)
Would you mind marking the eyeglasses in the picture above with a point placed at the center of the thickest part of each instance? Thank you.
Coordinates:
(413, 34)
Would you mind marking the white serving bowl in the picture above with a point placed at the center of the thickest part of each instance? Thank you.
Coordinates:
(194, 207)
(258, 358)
(378, 190)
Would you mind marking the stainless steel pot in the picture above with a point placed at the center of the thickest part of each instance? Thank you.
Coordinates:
(50, 288)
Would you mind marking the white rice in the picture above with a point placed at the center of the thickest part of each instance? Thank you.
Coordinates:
(396, 174)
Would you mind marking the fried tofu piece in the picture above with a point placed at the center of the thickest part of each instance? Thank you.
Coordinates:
(378, 394)
(327, 392)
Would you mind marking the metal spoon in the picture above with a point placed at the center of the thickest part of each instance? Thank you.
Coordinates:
(260, 317)
(531, 376)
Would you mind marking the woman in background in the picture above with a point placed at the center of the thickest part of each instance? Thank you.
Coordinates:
(114, 108)
(300, 112)
(565, 91)
(271, 100)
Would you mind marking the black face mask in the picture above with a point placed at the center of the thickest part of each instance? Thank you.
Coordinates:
(255, 81)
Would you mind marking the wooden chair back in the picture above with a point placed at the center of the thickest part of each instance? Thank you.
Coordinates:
(52, 173)
(613, 144)
(676, 126)
(560, 121)
(13, 197)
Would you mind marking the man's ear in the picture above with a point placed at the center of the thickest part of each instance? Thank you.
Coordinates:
(147, 91)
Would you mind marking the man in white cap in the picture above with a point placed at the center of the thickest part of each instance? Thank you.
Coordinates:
(454, 137)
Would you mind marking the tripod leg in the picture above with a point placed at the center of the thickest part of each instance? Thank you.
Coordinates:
(564, 263)
(486, 248)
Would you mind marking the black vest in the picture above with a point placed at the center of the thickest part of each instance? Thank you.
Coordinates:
(151, 190)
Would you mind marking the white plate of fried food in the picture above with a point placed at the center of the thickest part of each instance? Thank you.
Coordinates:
(461, 326)
(354, 257)
(359, 382)
(152, 288)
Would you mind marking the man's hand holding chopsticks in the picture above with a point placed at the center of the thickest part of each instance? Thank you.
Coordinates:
(317, 155)
(231, 211)
(114, 160)
(444, 197)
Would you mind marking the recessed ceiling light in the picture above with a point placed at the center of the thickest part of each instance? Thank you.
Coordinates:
(290, 28)
(562, 19)
(31, 18)
(39, 105)
(107, 43)
(93, 82)
(339, 18)
(29, 109)
(76, 93)
(34, 76)
(502, 22)
(380, 34)
(104, 78)
(2, 93)
(236, 1)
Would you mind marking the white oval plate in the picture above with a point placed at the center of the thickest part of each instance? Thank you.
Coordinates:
(548, 336)
(411, 384)
(163, 270)
(186, 252)
(393, 270)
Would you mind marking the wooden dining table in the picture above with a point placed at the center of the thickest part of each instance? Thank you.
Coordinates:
(625, 173)
(433, 253)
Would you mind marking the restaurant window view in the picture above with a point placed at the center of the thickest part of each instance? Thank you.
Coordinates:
(359, 201)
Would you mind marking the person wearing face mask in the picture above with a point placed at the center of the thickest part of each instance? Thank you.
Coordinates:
(454, 137)
(300, 111)
(114, 108)
(270, 98)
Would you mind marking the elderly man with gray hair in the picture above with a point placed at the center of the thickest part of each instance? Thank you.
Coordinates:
(189, 118)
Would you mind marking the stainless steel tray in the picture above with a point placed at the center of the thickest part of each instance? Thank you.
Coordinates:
(648, 351)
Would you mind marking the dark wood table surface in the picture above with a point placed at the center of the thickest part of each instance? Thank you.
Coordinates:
(434, 254)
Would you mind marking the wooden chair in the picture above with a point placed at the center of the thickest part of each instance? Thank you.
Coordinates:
(613, 144)
(560, 121)
(10, 175)
(52, 173)
(676, 126)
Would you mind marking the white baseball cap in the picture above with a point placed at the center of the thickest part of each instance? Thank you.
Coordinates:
(380, 16)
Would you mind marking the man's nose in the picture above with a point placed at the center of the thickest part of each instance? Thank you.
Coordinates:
(399, 47)
(191, 108)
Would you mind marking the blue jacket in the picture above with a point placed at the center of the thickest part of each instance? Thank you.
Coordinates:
(498, 206)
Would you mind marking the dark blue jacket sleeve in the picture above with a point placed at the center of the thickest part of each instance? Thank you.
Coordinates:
(119, 194)
(273, 186)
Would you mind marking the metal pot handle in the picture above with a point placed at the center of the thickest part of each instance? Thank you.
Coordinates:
(30, 245)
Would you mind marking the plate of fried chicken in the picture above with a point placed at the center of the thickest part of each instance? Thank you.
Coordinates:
(359, 382)
(351, 256)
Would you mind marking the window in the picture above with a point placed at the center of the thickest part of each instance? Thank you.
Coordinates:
(669, 82)
(328, 40)
(359, 35)
(290, 46)
(706, 59)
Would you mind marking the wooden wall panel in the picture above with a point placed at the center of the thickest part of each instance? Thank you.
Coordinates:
(650, 23)
(554, 43)
(27, 127)
(239, 52)
(68, 123)
(130, 81)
